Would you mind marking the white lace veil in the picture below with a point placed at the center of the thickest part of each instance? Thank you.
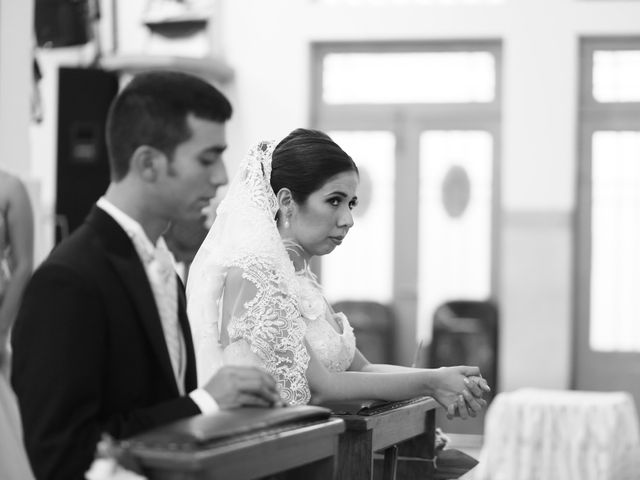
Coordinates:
(245, 235)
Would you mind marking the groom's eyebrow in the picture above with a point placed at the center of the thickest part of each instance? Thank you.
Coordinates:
(216, 149)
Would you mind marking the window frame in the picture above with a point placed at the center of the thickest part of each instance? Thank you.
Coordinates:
(406, 121)
(593, 116)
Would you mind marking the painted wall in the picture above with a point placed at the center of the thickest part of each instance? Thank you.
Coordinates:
(132, 37)
(15, 71)
(267, 43)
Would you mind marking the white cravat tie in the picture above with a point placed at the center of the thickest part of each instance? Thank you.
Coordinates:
(161, 272)
(167, 300)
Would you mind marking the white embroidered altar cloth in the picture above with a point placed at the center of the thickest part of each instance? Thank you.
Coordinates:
(535, 434)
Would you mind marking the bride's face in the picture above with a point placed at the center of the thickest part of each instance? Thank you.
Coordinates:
(320, 223)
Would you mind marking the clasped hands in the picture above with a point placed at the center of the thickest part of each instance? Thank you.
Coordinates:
(461, 391)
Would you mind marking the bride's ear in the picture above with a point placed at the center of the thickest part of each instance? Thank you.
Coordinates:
(285, 199)
(285, 206)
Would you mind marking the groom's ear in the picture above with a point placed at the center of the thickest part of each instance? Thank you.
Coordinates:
(145, 162)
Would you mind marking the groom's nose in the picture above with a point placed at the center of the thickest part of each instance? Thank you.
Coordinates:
(218, 175)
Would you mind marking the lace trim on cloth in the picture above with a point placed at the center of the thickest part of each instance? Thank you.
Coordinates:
(245, 235)
(275, 331)
(533, 434)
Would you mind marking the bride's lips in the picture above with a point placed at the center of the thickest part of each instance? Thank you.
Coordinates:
(337, 240)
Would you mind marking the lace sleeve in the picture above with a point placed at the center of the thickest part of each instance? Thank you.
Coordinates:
(260, 316)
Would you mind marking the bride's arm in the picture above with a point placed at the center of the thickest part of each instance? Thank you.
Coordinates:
(476, 385)
(237, 292)
(260, 325)
(446, 385)
(268, 324)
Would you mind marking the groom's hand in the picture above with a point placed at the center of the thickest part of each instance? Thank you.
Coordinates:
(235, 386)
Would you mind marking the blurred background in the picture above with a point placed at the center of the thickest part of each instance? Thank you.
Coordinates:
(498, 143)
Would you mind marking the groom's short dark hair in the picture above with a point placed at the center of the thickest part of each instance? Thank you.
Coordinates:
(152, 110)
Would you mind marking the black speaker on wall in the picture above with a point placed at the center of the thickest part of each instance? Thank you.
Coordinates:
(84, 97)
(62, 23)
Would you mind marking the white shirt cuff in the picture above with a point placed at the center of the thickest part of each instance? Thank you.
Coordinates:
(205, 402)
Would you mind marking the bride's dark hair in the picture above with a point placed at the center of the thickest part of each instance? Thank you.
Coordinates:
(304, 160)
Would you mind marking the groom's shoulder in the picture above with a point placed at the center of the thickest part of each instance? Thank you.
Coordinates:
(78, 244)
(81, 252)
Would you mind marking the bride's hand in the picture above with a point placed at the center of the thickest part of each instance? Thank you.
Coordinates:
(458, 395)
(477, 385)
(471, 399)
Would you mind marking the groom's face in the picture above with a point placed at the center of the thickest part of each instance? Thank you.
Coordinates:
(197, 170)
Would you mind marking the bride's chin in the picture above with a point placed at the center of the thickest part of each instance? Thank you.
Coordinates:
(328, 249)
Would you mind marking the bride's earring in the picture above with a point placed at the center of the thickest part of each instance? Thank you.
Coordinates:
(286, 221)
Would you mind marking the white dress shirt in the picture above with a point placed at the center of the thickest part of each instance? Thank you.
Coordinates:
(146, 250)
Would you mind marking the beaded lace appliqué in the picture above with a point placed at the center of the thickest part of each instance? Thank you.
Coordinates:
(334, 350)
(245, 235)
(275, 331)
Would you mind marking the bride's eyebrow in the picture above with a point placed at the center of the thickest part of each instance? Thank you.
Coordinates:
(337, 192)
(342, 195)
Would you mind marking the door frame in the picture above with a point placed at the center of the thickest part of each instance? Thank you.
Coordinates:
(406, 122)
(591, 370)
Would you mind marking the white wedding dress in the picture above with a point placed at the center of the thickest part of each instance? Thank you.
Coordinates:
(327, 333)
(246, 303)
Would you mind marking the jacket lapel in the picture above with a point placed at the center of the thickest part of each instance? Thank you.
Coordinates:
(128, 266)
(190, 377)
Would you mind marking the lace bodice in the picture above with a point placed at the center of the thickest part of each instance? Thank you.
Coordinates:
(257, 337)
(334, 348)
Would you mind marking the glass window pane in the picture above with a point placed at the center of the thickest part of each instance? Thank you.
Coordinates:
(455, 220)
(410, 2)
(417, 77)
(362, 267)
(615, 237)
(616, 76)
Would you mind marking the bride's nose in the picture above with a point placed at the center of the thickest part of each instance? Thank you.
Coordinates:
(346, 219)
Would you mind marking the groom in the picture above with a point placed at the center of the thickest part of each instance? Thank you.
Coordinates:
(102, 342)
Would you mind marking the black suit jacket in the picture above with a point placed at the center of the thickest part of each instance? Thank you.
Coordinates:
(89, 351)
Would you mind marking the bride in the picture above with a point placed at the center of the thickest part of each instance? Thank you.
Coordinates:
(253, 300)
